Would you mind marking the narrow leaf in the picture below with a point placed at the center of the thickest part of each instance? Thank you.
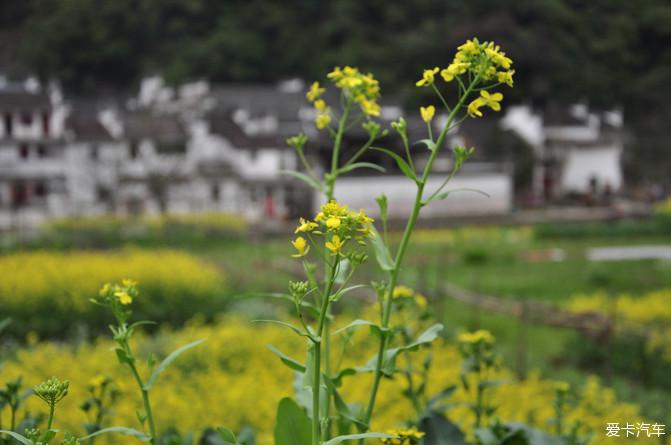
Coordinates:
(339, 439)
(357, 323)
(402, 165)
(309, 180)
(17, 436)
(382, 254)
(290, 362)
(285, 324)
(356, 165)
(167, 361)
(120, 430)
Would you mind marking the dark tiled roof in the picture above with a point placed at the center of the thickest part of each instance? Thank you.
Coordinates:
(164, 129)
(85, 126)
(21, 99)
(260, 100)
(222, 124)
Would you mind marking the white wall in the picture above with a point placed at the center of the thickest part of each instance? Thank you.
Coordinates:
(360, 193)
(582, 164)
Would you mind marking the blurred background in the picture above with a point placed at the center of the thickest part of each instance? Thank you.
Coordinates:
(147, 139)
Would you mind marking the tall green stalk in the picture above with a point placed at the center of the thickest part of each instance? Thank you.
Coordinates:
(400, 254)
(316, 341)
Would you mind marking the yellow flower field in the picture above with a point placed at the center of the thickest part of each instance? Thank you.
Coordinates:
(44, 291)
(233, 379)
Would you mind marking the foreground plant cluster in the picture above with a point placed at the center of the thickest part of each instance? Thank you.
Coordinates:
(386, 377)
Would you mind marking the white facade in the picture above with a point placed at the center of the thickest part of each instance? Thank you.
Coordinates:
(360, 193)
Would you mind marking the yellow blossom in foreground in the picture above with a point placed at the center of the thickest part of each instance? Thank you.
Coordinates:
(301, 245)
(427, 113)
(323, 120)
(320, 105)
(474, 108)
(333, 222)
(492, 101)
(453, 70)
(225, 371)
(369, 107)
(335, 245)
(305, 226)
(124, 297)
(506, 77)
(315, 92)
(427, 77)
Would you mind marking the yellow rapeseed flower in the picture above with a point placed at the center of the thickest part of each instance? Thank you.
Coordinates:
(491, 100)
(333, 222)
(305, 226)
(474, 108)
(335, 245)
(370, 107)
(323, 120)
(124, 297)
(453, 70)
(320, 104)
(404, 436)
(301, 245)
(506, 77)
(427, 113)
(315, 92)
(478, 336)
(427, 77)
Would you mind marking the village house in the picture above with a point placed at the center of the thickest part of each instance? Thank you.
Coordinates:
(203, 148)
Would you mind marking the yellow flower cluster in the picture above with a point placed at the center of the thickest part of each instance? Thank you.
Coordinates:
(405, 293)
(483, 60)
(226, 370)
(314, 95)
(122, 293)
(364, 89)
(404, 436)
(338, 223)
(479, 336)
(649, 314)
(56, 287)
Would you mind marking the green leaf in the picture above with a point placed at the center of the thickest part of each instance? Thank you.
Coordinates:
(293, 425)
(122, 356)
(290, 362)
(356, 165)
(338, 295)
(429, 144)
(341, 406)
(309, 180)
(405, 168)
(444, 195)
(167, 361)
(17, 436)
(339, 439)
(382, 254)
(356, 323)
(227, 435)
(120, 430)
(343, 271)
(286, 325)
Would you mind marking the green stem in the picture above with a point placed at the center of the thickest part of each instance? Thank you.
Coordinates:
(400, 254)
(52, 407)
(316, 370)
(330, 182)
(145, 396)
